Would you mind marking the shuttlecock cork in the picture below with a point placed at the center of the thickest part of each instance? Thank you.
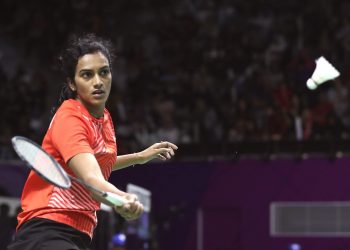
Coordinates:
(323, 72)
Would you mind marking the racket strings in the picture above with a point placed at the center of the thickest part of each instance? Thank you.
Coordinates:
(42, 163)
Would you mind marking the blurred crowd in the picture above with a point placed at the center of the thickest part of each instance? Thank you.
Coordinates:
(188, 71)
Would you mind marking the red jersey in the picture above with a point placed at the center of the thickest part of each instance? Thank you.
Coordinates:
(72, 131)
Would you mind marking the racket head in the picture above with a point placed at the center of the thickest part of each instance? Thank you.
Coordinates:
(40, 162)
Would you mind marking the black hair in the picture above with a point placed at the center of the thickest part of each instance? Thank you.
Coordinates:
(77, 47)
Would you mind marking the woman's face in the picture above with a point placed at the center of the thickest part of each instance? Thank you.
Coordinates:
(92, 82)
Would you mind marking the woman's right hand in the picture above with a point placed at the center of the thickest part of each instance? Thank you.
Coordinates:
(132, 210)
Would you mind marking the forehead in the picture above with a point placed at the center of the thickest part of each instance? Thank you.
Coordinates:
(92, 61)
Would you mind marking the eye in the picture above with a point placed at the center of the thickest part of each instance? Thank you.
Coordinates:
(86, 74)
(104, 72)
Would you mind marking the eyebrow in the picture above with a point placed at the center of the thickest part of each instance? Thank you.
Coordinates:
(89, 70)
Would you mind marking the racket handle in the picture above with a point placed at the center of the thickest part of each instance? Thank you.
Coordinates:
(115, 199)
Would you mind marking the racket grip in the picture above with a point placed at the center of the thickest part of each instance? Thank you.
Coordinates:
(115, 199)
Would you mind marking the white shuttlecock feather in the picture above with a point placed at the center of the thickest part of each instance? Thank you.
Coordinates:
(323, 72)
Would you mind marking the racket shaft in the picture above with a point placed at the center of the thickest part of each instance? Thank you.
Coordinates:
(88, 186)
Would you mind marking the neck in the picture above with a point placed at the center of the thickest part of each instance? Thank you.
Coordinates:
(96, 115)
(95, 111)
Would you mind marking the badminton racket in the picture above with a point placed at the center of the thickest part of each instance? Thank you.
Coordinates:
(50, 170)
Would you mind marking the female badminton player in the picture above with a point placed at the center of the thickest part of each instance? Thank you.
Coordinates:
(81, 138)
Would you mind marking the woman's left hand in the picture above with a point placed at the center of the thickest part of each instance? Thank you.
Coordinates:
(162, 150)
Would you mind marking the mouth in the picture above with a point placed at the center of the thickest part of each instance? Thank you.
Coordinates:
(98, 93)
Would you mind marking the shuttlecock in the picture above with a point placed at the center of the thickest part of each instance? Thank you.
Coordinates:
(323, 72)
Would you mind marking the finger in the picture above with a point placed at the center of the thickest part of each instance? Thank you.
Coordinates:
(132, 215)
(132, 200)
(125, 208)
(132, 197)
(169, 151)
(122, 210)
(134, 207)
(161, 157)
(139, 210)
(162, 151)
(118, 209)
(172, 146)
(160, 144)
(167, 155)
(167, 144)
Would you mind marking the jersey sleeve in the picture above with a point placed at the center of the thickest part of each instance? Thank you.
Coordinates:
(70, 135)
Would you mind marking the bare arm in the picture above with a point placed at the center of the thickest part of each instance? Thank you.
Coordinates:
(86, 168)
(124, 161)
(160, 150)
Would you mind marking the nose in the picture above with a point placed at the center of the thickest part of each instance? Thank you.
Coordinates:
(98, 82)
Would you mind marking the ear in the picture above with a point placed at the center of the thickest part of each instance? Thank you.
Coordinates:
(71, 85)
